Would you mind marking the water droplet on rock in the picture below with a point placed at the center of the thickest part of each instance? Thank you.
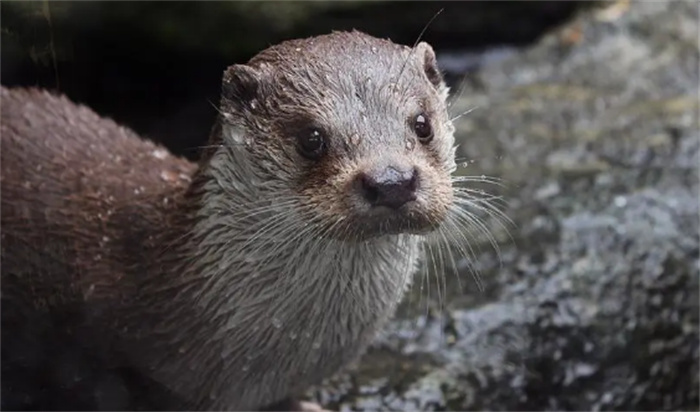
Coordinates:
(620, 201)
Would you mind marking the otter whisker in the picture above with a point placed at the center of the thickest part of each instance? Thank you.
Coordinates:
(478, 179)
(456, 96)
(441, 266)
(488, 207)
(282, 231)
(466, 112)
(469, 254)
(436, 269)
(260, 227)
(249, 210)
(413, 48)
(470, 220)
(455, 242)
(448, 253)
(479, 196)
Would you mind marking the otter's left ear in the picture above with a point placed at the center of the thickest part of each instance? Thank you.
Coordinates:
(240, 88)
(426, 54)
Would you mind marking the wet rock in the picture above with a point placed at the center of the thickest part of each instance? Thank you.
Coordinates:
(593, 304)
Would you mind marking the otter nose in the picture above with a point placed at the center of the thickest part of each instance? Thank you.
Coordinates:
(390, 187)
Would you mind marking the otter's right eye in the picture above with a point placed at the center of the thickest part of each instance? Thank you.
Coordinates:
(421, 125)
(311, 144)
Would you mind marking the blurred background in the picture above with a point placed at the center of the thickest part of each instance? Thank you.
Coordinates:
(586, 113)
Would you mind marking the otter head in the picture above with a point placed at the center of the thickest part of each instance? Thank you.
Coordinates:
(351, 129)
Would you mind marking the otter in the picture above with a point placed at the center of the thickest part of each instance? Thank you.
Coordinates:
(240, 281)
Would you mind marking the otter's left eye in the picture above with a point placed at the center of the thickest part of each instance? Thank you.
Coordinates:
(312, 144)
(421, 125)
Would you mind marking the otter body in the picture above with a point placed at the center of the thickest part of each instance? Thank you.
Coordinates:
(238, 282)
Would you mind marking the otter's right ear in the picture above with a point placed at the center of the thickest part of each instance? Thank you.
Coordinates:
(240, 86)
(426, 54)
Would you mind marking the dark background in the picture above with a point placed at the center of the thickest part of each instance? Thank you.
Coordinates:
(156, 66)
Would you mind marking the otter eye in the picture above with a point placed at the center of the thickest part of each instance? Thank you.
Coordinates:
(311, 144)
(421, 125)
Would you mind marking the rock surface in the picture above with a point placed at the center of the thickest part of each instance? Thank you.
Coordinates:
(593, 301)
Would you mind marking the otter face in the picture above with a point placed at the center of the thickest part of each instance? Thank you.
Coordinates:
(355, 128)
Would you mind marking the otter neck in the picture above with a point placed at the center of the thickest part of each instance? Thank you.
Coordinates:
(243, 263)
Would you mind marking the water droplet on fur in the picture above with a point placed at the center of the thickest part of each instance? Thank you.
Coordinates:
(168, 176)
(253, 104)
(159, 154)
(298, 49)
(374, 49)
(90, 291)
(276, 323)
(410, 144)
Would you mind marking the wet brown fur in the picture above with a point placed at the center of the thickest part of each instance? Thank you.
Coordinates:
(92, 214)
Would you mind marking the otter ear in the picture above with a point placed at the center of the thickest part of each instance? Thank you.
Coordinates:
(240, 87)
(426, 54)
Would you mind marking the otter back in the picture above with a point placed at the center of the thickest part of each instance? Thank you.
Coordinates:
(66, 175)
